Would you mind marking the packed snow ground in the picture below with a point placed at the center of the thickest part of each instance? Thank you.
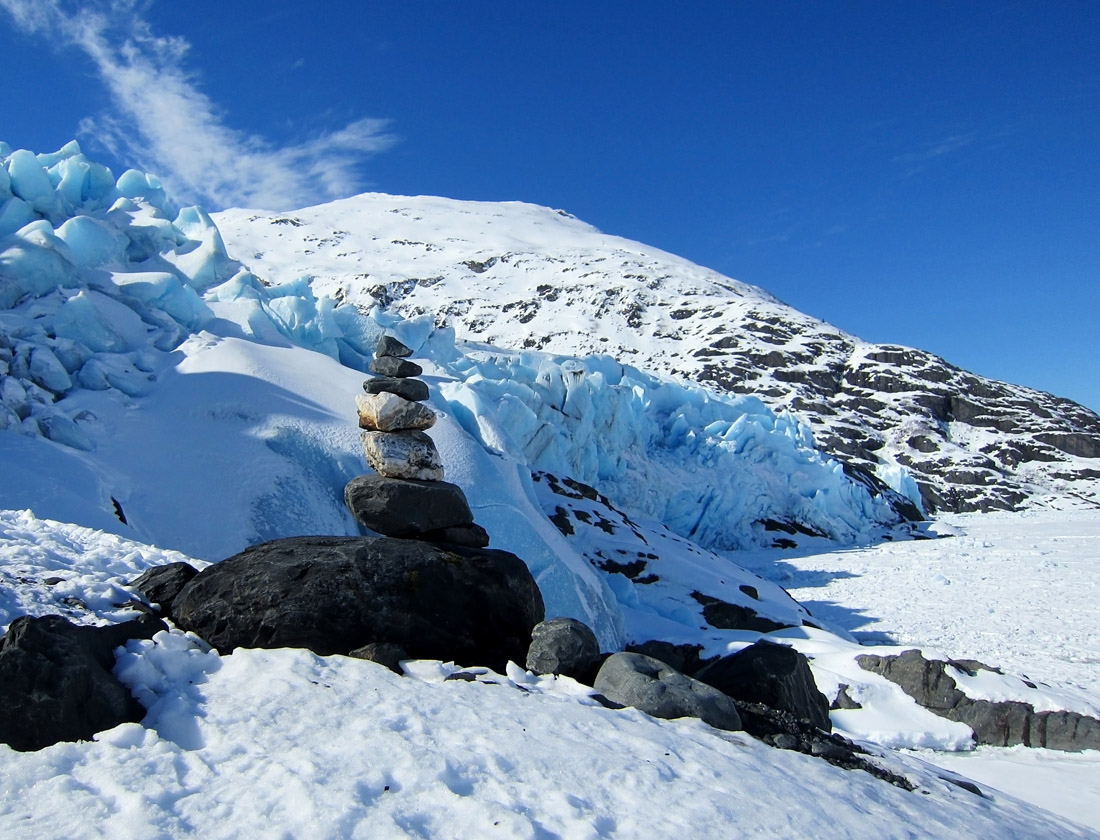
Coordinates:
(1017, 591)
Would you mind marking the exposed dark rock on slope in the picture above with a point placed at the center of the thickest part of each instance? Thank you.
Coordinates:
(527, 277)
(1006, 723)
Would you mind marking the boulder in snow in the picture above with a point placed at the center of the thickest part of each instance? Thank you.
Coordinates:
(384, 653)
(336, 594)
(651, 686)
(162, 584)
(563, 646)
(1005, 723)
(56, 682)
(775, 675)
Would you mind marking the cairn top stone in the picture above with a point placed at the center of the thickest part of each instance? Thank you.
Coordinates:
(410, 389)
(390, 346)
(393, 366)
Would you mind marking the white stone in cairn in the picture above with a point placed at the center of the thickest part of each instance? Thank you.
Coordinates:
(387, 412)
(403, 455)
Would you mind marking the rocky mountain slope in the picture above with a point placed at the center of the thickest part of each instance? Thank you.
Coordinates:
(522, 276)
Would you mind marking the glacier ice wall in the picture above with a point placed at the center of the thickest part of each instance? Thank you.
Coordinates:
(112, 300)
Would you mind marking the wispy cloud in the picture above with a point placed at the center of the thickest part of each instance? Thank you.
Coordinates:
(938, 149)
(164, 123)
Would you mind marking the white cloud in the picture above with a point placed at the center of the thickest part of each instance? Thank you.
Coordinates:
(166, 125)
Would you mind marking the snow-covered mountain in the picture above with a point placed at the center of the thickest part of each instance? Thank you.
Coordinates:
(165, 395)
(522, 276)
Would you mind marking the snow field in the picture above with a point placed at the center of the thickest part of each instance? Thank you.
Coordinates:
(289, 744)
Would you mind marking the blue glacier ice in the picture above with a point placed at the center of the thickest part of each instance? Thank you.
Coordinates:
(113, 300)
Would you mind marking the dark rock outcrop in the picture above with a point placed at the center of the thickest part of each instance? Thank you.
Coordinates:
(786, 731)
(653, 687)
(724, 616)
(775, 675)
(337, 594)
(398, 507)
(563, 646)
(1000, 724)
(56, 682)
(162, 584)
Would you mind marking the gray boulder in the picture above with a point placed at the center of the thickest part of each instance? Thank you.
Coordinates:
(775, 675)
(56, 682)
(403, 455)
(333, 595)
(390, 346)
(651, 686)
(392, 366)
(410, 389)
(563, 646)
(406, 508)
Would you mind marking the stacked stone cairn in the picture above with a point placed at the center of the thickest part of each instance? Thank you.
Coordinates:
(407, 498)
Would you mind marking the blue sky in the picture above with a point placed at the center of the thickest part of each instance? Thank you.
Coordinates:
(923, 173)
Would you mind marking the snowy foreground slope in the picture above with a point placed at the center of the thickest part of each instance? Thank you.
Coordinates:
(154, 392)
(522, 276)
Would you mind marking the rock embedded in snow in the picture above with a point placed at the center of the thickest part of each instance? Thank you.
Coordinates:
(162, 584)
(387, 412)
(395, 367)
(333, 595)
(653, 687)
(725, 616)
(406, 507)
(56, 682)
(383, 653)
(775, 675)
(1004, 723)
(410, 389)
(410, 455)
(563, 646)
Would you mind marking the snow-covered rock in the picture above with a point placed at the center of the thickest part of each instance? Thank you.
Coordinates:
(521, 276)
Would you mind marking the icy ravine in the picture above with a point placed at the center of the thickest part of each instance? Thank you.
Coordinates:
(522, 276)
